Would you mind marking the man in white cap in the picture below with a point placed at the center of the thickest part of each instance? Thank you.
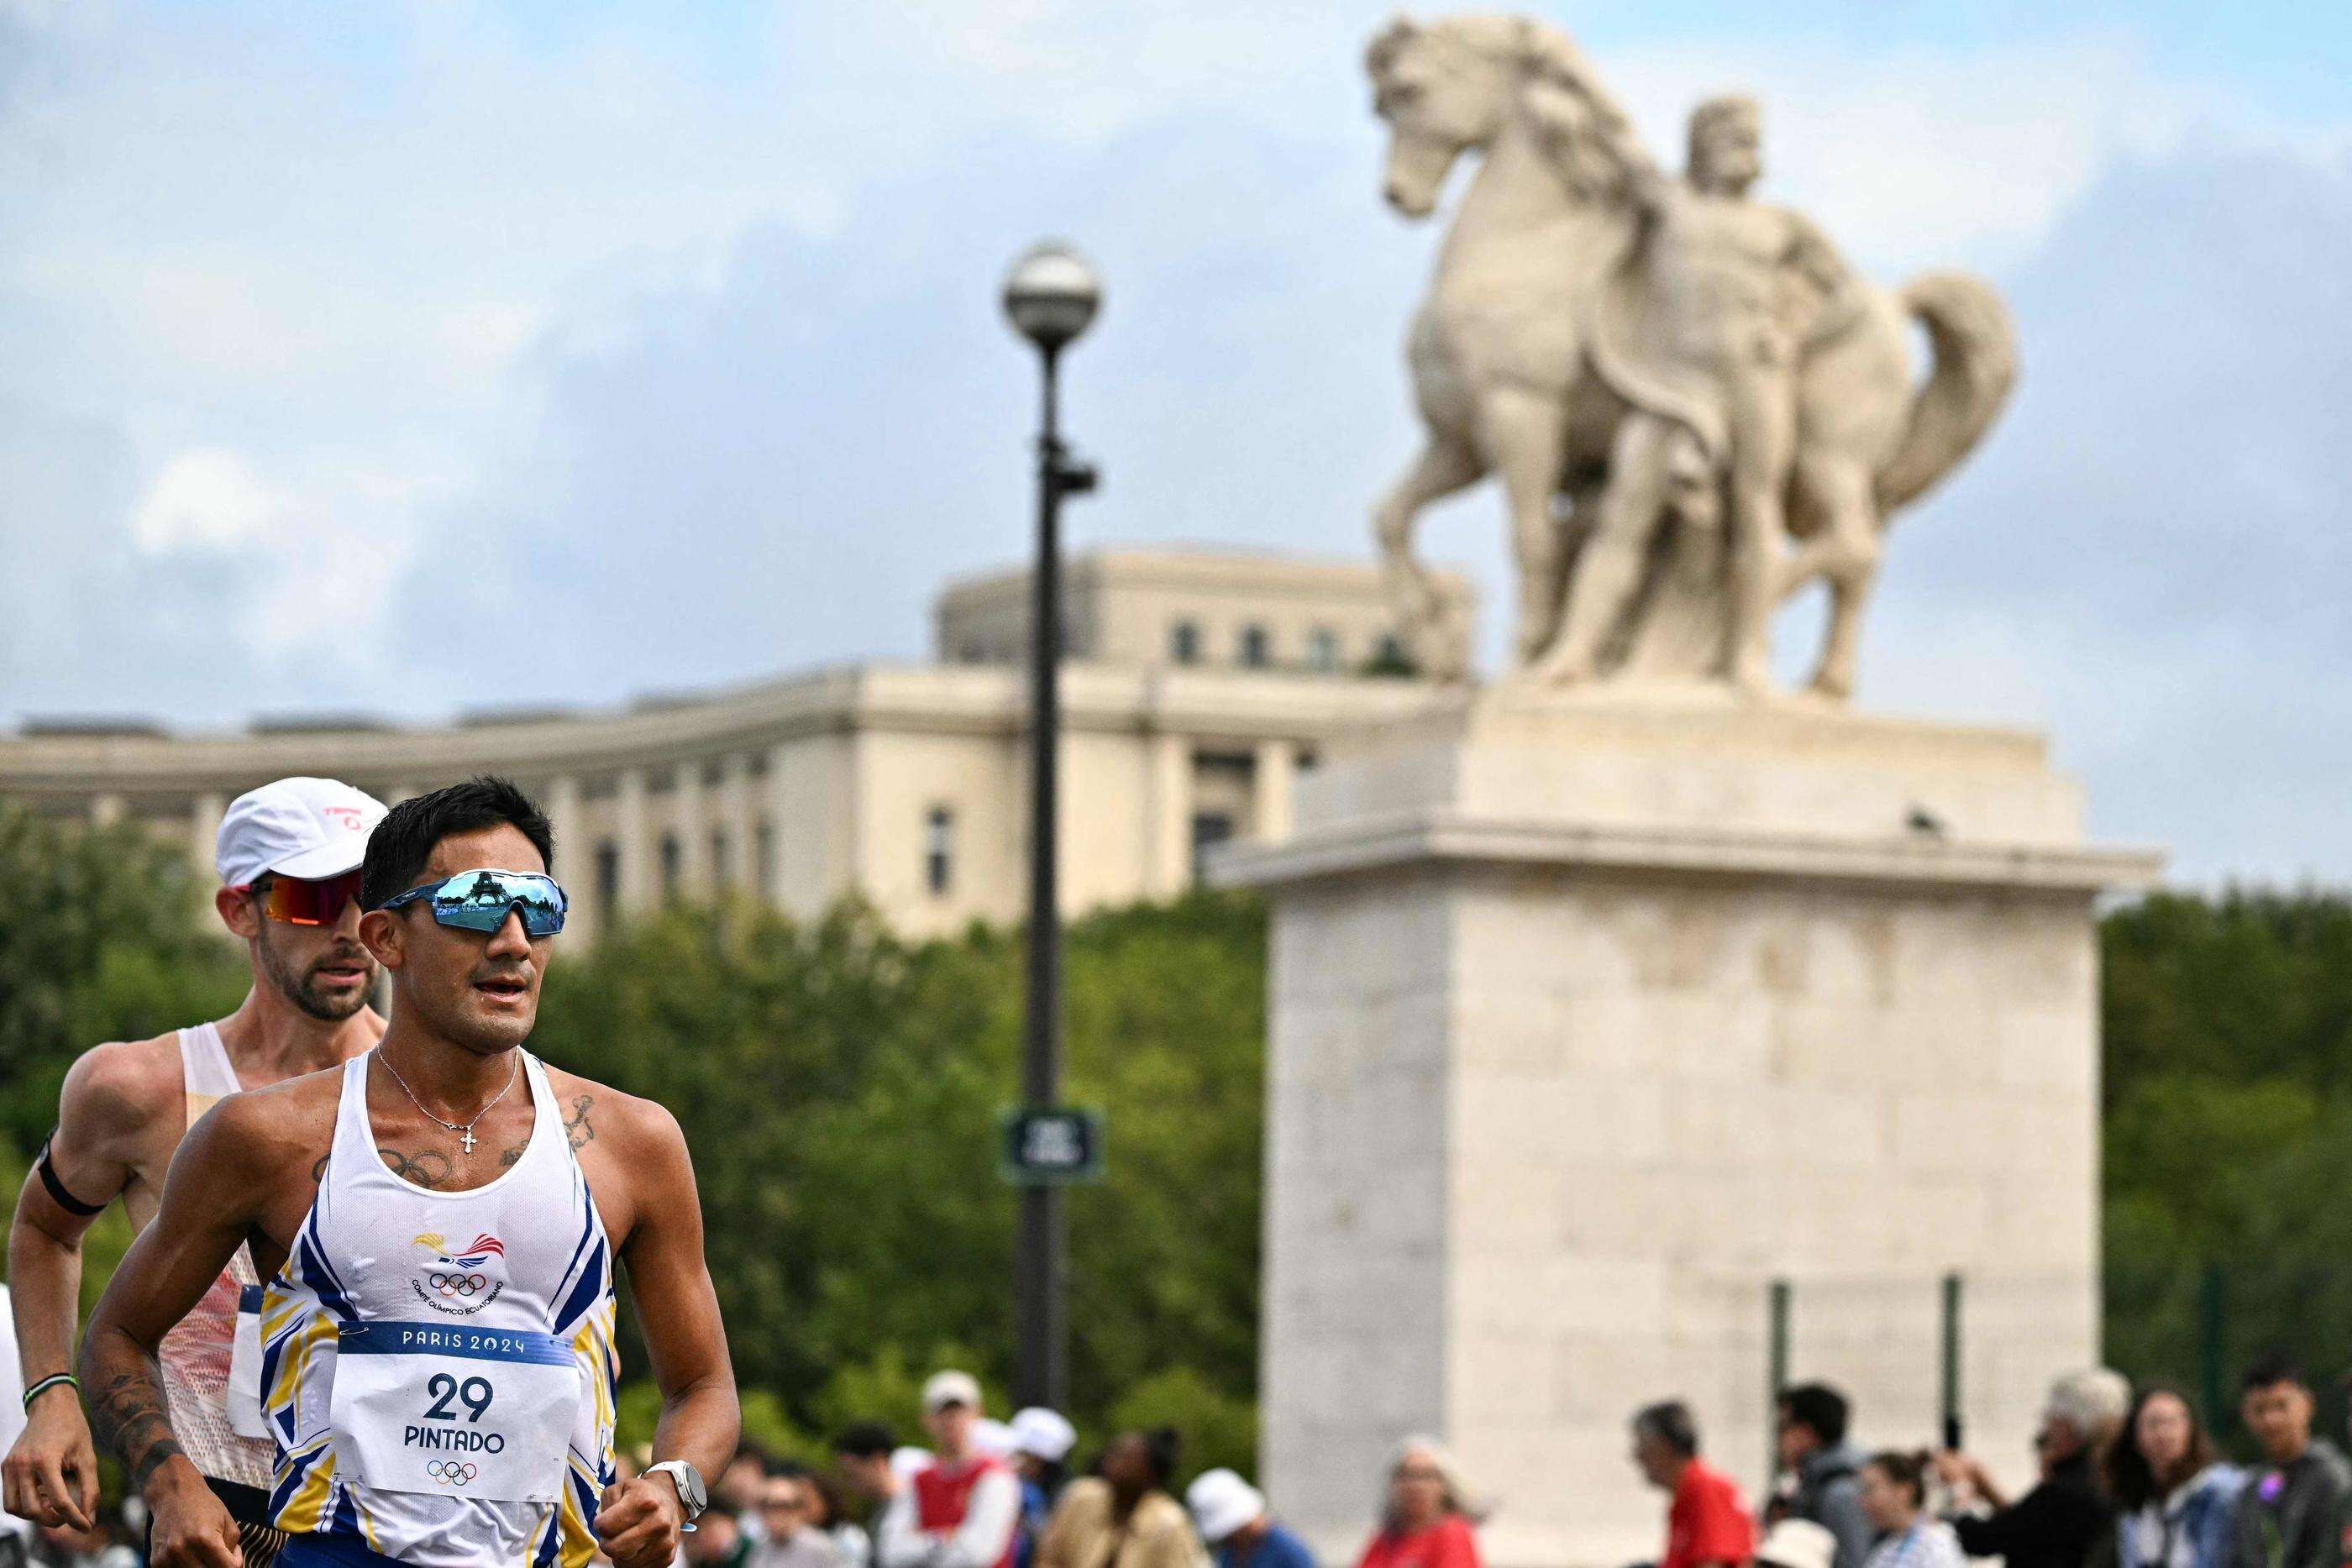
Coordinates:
(1232, 1517)
(959, 1510)
(289, 855)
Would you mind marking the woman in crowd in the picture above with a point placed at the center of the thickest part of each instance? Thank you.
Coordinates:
(1123, 1516)
(1895, 1501)
(2175, 1501)
(1430, 1512)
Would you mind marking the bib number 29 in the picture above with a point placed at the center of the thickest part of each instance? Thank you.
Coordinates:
(474, 1394)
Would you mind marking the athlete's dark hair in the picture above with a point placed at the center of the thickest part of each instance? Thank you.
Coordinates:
(1817, 1408)
(866, 1440)
(404, 842)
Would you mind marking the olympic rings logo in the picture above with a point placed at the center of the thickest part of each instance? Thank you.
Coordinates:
(460, 1285)
(456, 1472)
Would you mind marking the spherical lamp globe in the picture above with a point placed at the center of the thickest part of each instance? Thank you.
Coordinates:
(1051, 295)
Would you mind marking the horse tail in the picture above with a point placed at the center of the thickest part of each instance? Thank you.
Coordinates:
(1975, 347)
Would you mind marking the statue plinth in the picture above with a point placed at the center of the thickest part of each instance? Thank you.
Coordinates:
(1592, 1015)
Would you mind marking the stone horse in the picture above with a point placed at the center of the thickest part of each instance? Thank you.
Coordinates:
(1513, 379)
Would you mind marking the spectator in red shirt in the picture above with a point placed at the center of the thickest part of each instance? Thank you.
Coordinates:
(1427, 1522)
(1707, 1524)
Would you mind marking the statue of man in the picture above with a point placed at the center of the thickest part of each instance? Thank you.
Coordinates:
(1734, 292)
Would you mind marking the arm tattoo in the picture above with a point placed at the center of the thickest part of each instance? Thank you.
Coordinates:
(133, 1419)
(576, 1128)
(427, 1168)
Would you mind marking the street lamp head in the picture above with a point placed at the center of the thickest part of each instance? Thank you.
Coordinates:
(1051, 295)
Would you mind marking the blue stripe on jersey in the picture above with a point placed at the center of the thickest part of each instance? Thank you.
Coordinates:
(321, 1278)
(585, 1294)
(297, 1468)
(347, 1514)
(382, 1338)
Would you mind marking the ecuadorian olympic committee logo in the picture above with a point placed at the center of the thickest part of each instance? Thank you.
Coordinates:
(460, 1281)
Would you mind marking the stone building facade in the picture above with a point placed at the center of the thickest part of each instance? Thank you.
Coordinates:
(1200, 683)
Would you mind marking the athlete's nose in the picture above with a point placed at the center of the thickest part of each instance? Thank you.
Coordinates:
(509, 940)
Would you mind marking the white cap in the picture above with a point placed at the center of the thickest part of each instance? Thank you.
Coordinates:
(993, 1438)
(1222, 1502)
(906, 1462)
(1043, 1434)
(308, 829)
(946, 1388)
(1797, 1544)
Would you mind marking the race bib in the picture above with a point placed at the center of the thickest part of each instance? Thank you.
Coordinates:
(456, 1412)
(245, 1417)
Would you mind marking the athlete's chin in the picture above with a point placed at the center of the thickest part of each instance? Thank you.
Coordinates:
(496, 1025)
(331, 1003)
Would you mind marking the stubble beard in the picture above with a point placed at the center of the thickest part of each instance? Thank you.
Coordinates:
(301, 988)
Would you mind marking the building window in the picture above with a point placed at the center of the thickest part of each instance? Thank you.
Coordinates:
(1184, 642)
(1323, 649)
(939, 850)
(722, 873)
(1257, 647)
(608, 879)
(764, 863)
(671, 861)
(1210, 829)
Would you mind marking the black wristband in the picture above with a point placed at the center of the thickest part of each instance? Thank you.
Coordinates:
(57, 1189)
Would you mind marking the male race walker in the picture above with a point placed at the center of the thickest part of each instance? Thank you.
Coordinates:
(288, 854)
(439, 1222)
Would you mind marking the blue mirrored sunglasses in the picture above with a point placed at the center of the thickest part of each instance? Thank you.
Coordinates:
(479, 900)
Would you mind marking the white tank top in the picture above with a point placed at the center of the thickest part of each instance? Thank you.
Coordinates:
(439, 1367)
(197, 1356)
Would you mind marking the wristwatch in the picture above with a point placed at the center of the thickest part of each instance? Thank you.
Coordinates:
(691, 1496)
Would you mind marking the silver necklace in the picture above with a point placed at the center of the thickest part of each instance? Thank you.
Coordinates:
(464, 1130)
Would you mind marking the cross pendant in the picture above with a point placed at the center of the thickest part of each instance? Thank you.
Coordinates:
(465, 1135)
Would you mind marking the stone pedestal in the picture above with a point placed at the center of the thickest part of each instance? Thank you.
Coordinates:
(1592, 1017)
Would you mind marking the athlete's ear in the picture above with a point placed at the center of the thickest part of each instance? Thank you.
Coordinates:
(234, 905)
(381, 933)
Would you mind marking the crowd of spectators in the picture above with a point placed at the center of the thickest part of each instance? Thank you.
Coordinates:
(2123, 1480)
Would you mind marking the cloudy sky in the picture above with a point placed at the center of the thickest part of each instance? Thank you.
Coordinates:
(412, 356)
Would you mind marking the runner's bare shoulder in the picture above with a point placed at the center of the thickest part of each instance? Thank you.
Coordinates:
(619, 1138)
(117, 1094)
(264, 1134)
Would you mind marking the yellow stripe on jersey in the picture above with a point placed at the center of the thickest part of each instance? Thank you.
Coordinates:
(303, 1511)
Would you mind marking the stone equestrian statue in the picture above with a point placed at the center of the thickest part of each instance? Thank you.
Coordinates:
(1725, 409)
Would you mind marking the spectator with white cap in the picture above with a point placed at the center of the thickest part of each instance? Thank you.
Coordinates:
(959, 1511)
(1232, 1519)
(288, 855)
(1041, 1440)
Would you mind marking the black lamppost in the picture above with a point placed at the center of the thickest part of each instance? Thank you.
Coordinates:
(1051, 295)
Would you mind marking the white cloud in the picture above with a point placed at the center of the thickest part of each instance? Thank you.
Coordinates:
(208, 499)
